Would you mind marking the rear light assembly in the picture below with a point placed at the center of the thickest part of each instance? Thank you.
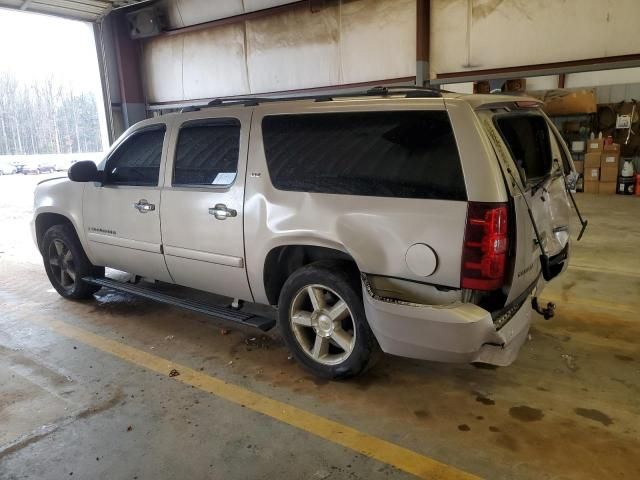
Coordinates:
(486, 243)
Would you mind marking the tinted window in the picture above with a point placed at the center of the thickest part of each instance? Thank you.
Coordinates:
(207, 153)
(137, 160)
(527, 137)
(386, 154)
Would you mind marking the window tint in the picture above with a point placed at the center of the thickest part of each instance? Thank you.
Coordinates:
(387, 154)
(137, 160)
(207, 153)
(527, 137)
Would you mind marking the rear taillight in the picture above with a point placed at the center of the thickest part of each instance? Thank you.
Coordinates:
(484, 254)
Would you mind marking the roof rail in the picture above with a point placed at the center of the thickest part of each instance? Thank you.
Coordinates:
(410, 91)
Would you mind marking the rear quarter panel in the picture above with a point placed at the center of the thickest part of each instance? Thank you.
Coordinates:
(375, 231)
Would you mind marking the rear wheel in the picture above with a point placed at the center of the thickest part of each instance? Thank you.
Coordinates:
(323, 323)
(66, 263)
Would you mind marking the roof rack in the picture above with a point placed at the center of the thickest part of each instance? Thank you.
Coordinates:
(410, 91)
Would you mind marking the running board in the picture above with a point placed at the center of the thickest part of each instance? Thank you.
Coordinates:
(224, 313)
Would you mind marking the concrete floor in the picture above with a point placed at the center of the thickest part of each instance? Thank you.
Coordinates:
(567, 409)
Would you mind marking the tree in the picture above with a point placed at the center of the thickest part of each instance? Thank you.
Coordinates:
(46, 117)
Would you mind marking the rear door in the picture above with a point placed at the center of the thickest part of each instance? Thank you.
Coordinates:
(202, 204)
(531, 161)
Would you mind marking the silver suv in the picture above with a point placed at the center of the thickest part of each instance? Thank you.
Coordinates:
(408, 220)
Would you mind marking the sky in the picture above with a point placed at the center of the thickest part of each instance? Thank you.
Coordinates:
(34, 46)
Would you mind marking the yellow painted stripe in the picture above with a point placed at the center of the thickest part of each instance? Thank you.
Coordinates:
(401, 458)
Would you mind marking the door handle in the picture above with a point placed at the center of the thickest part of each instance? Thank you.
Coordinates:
(144, 207)
(221, 212)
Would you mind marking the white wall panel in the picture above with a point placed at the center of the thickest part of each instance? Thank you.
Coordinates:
(162, 61)
(378, 40)
(465, 87)
(546, 82)
(254, 5)
(603, 77)
(517, 32)
(183, 13)
(214, 62)
(337, 43)
(618, 93)
(293, 50)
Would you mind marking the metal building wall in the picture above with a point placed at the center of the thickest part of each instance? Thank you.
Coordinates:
(306, 46)
(479, 35)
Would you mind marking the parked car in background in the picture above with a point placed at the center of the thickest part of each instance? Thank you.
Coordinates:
(7, 169)
(46, 168)
(421, 223)
(63, 165)
(30, 169)
(38, 168)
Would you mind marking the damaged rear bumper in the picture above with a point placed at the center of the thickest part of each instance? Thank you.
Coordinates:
(458, 332)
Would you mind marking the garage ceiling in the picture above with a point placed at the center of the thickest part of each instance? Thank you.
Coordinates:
(87, 10)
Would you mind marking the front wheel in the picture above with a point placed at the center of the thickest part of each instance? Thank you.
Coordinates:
(66, 263)
(322, 321)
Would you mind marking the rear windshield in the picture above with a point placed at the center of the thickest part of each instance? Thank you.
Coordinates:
(407, 154)
(527, 136)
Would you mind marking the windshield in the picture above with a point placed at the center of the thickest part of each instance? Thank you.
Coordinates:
(527, 137)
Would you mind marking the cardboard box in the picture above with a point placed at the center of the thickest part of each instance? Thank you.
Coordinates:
(592, 160)
(591, 187)
(607, 188)
(579, 164)
(595, 145)
(515, 85)
(578, 146)
(609, 159)
(609, 173)
(566, 102)
(613, 147)
(591, 174)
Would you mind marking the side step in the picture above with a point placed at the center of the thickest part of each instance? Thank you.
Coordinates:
(217, 311)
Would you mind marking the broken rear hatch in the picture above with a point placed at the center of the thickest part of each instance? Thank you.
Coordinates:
(533, 162)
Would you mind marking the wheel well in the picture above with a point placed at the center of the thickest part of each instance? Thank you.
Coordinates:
(284, 260)
(45, 221)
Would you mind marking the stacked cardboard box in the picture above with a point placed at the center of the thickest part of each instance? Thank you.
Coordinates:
(609, 168)
(592, 166)
(601, 167)
(579, 164)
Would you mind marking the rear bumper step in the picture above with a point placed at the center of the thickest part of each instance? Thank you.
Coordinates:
(217, 311)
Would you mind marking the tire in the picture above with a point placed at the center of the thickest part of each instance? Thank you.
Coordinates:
(328, 339)
(66, 263)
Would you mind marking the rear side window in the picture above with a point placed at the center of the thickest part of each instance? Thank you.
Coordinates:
(207, 153)
(137, 160)
(527, 137)
(387, 154)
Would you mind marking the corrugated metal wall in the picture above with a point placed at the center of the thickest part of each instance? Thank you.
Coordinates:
(339, 43)
(469, 35)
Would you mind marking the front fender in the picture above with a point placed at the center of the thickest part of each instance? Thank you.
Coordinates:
(60, 197)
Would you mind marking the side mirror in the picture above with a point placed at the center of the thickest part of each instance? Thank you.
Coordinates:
(84, 171)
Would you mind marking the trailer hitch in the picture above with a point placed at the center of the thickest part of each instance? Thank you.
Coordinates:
(547, 312)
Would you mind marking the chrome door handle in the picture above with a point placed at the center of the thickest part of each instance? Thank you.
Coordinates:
(144, 207)
(221, 212)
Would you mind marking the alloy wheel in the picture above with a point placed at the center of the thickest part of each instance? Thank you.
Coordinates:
(62, 264)
(322, 324)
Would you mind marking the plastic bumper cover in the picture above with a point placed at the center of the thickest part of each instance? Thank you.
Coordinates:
(460, 332)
